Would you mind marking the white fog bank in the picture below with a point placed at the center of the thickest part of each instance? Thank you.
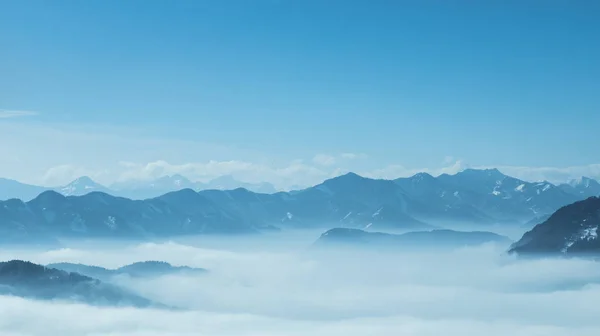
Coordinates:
(263, 289)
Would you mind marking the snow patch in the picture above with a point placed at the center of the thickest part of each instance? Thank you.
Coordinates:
(586, 234)
(590, 233)
(111, 222)
(347, 215)
(377, 212)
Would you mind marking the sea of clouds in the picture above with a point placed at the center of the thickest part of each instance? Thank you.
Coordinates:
(258, 288)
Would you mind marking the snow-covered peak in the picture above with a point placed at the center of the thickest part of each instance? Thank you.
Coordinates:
(422, 177)
(81, 186)
(583, 182)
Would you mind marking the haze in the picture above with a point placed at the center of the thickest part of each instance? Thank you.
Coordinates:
(254, 288)
(299, 167)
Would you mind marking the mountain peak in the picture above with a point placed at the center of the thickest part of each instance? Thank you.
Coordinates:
(346, 178)
(49, 195)
(486, 171)
(351, 175)
(224, 179)
(422, 177)
(83, 180)
(82, 186)
(177, 180)
(583, 182)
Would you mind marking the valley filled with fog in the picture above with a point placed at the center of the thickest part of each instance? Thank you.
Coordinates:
(299, 168)
(281, 284)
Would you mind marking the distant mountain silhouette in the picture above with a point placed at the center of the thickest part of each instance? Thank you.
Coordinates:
(149, 189)
(82, 186)
(138, 269)
(584, 187)
(10, 189)
(427, 240)
(133, 189)
(419, 202)
(29, 280)
(228, 182)
(167, 184)
(572, 230)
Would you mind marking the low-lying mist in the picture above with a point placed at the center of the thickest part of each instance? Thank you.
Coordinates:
(277, 284)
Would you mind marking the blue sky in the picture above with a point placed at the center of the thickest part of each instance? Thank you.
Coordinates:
(410, 84)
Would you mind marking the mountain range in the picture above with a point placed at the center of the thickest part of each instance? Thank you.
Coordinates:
(479, 197)
(140, 189)
(134, 189)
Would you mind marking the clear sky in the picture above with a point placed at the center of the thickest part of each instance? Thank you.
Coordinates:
(295, 91)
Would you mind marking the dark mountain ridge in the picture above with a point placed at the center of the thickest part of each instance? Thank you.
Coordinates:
(29, 280)
(572, 230)
(138, 269)
(425, 240)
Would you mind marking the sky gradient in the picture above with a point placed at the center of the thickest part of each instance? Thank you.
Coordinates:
(298, 88)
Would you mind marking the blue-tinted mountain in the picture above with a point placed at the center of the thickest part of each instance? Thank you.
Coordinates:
(10, 189)
(572, 230)
(535, 221)
(428, 240)
(135, 189)
(351, 201)
(82, 186)
(228, 182)
(138, 269)
(501, 197)
(437, 200)
(583, 187)
(101, 215)
(29, 280)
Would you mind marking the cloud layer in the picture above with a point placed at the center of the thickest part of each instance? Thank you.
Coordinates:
(4, 114)
(274, 287)
(52, 155)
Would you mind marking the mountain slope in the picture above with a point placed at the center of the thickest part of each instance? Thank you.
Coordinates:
(101, 215)
(138, 269)
(28, 280)
(571, 230)
(437, 200)
(10, 189)
(584, 187)
(348, 200)
(504, 198)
